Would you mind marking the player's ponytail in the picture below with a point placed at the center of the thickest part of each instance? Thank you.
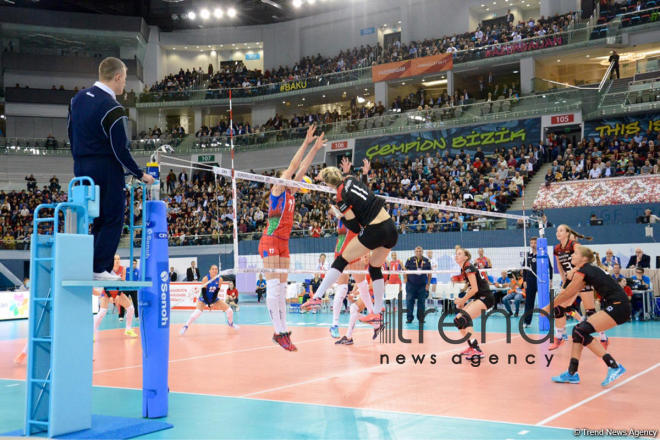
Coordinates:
(576, 234)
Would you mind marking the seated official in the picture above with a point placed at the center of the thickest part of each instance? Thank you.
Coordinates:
(515, 293)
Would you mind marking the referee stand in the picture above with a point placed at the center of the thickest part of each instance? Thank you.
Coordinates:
(60, 344)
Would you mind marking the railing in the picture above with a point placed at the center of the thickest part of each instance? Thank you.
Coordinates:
(328, 79)
(390, 123)
(62, 147)
(579, 35)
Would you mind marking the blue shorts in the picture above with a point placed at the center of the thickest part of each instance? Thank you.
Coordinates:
(203, 301)
(434, 280)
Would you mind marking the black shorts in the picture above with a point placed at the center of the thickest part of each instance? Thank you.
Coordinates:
(487, 298)
(618, 309)
(379, 235)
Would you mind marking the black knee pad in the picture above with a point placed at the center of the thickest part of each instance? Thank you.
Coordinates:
(582, 333)
(462, 322)
(559, 312)
(340, 263)
(375, 273)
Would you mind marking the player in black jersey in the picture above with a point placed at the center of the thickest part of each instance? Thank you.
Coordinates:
(615, 311)
(363, 213)
(481, 296)
(563, 251)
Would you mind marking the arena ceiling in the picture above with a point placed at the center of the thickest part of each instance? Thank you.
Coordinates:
(173, 14)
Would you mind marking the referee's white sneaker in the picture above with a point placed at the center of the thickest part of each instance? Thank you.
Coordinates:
(106, 276)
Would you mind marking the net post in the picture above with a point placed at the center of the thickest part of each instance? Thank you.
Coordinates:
(543, 276)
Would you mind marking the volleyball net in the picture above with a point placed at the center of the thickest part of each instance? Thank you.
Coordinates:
(496, 240)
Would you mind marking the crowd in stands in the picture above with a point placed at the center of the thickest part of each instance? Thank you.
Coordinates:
(481, 91)
(295, 127)
(200, 210)
(614, 156)
(198, 216)
(485, 41)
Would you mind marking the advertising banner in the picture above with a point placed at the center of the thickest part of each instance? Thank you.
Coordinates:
(644, 124)
(414, 67)
(487, 136)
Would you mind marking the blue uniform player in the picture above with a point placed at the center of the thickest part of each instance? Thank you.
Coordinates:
(209, 300)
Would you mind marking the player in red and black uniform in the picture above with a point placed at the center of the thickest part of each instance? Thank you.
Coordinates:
(274, 243)
(563, 253)
(344, 237)
(482, 299)
(363, 213)
(615, 311)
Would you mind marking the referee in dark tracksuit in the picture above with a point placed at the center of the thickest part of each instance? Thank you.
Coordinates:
(417, 285)
(531, 282)
(99, 144)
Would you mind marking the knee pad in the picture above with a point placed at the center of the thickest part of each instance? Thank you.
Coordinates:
(340, 263)
(375, 273)
(559, 312)
(462, 322)
(590, 312)
(582, 333)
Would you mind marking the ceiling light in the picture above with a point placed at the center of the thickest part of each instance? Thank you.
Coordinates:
(559, 61)
(217, 13)
(311, 2)
(204, 14)
(271, 3)
(192, 15)
(185, 47)
(231, 12)
(297, 3)
(303, 99)
(588, 55)
(435, 83)
(324, 96)
(403, 84)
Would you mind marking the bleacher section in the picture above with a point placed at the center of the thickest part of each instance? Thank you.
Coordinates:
(614, 191)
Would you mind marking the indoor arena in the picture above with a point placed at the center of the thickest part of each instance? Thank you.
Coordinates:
(329, 219)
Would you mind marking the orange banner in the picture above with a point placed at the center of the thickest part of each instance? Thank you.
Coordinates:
(414, 67)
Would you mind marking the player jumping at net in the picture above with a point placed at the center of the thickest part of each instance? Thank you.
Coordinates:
(363, 213)
(615, 311)
(344, 237)
(482, 299)
(274, 243)
(563, 253)
(209, 300)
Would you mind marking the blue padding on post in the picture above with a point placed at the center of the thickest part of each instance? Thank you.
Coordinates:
(154, 305)
(543, 280)
(109, 427)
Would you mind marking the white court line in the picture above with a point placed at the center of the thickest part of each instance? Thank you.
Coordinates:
(589, 399)
(204, 356)
(329, 405)
(350, 372)
(13, 385)
(523, 432)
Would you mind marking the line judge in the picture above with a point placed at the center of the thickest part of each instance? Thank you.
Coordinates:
(99, 145)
